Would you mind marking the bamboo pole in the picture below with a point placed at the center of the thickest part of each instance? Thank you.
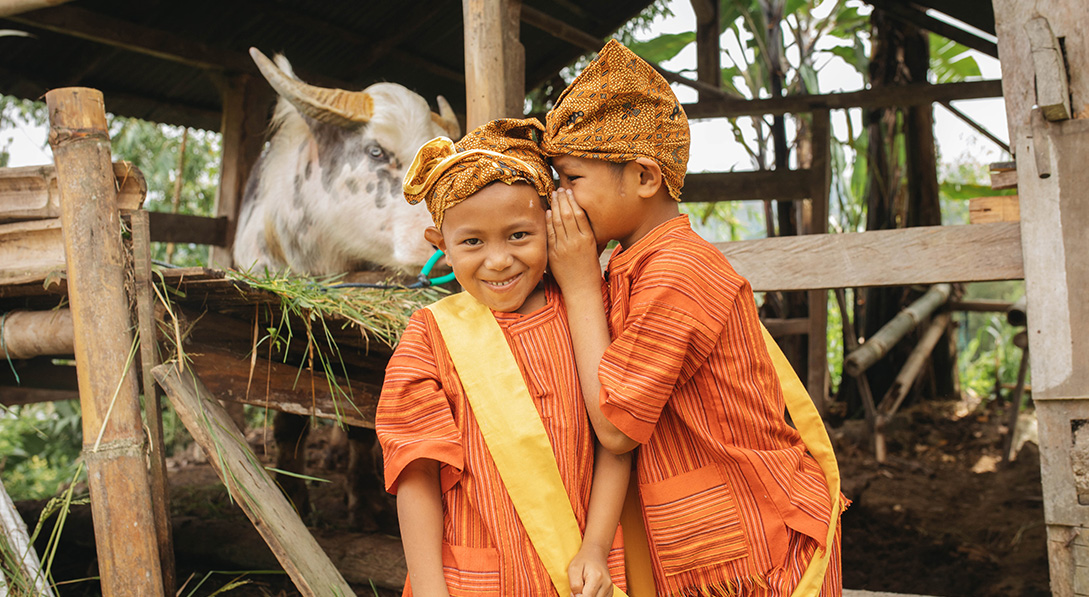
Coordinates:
(495, 70)
(880, 343)
(892, 400)
(26, 334)
(149, 358)
(114, 446)
(20, 561)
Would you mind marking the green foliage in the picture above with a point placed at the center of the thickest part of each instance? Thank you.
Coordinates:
(950, 61)
(985, 341)
(154, 149)
(40, 446)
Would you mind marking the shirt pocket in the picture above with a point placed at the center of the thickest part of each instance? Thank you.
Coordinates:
(693, 520)
(471, 571)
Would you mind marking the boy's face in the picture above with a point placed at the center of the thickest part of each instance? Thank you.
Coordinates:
(497, 245)
(604, 191)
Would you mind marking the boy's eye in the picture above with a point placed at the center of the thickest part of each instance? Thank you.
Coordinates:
(519, 235)
(472, 242)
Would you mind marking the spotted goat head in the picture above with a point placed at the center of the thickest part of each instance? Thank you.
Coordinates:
(325, 196)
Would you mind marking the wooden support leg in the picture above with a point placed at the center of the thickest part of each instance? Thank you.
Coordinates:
(114, 446)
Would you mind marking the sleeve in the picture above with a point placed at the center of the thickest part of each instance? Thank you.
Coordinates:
(674, 322)
(414, 417)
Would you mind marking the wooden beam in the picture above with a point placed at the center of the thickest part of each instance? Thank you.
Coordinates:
(162, 44)
(1002, 208)
(760, 185)
(921, 255)
(20, 395)
(26, 334)
(113, 436)
(250, 485)
(245, 99)
(886, 97)
(30, 250)
(495, 68)
(14, 7)
(909, 14)
(31, 193)
(184, 228)
(708, 52)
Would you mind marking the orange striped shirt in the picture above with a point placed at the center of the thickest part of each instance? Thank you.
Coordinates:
(423, 413)
(727, 485)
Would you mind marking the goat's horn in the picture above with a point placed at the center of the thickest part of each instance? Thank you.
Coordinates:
(447, 119)
(331, 106)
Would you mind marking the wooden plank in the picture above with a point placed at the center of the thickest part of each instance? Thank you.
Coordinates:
(30, 192)
(917, 94)
(1002, 208)
(281, 387)
(760, 185)
(250, 485)
(185, 228)
(494, 61)
(922, 255)
(113, 434)
(1052, 89)
(30, 251)
(910, 14)
(19, 395)
(795, 326)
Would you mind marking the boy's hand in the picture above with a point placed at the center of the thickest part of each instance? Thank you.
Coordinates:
(589, 574)
(572, 248)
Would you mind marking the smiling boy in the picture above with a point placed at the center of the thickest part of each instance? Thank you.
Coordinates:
(467, 519)
(676, 362)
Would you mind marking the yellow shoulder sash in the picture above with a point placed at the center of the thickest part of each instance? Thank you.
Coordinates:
(810, 426)
(513, 431)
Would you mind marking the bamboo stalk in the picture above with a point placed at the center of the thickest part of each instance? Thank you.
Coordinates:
(18, 553)
(149, 358)
(1008, 453)
(880, 343)
(890, 403)
(26, 334)
(114, 443)
(249, 485)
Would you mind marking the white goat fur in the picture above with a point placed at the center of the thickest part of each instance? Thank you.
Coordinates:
(324, 203)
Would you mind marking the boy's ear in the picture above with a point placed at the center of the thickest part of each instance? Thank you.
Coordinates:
(650, 176)
(434, 236)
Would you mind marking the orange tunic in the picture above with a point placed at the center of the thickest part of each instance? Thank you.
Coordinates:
(732, 501)
(423, 413)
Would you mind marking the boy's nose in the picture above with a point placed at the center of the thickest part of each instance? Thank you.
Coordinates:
(498, 260)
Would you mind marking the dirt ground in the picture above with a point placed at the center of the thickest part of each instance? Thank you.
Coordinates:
(941, 517)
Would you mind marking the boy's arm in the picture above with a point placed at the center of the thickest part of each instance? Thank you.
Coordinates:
(589, 572)
(419, 509)
(572, 256)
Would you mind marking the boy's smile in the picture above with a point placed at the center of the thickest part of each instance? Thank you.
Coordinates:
(496, 243)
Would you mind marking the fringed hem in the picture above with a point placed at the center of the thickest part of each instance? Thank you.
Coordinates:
(742, 582)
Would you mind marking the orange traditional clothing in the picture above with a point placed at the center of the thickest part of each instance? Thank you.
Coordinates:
(423, 413)
(732, 502)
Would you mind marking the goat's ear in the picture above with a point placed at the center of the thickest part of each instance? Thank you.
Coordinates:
(434, 236)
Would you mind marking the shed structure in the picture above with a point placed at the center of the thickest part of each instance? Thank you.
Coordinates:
(159, 61)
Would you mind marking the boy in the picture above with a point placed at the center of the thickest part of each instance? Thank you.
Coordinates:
(732, 502)
(463, 525)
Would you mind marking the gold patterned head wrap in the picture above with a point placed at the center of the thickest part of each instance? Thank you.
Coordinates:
(445, 173)
(617, 109)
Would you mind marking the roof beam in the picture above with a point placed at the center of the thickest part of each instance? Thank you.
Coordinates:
(916, 94)
(14, 7)
(917, 16)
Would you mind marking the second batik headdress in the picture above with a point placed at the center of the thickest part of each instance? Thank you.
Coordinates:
(507, 150)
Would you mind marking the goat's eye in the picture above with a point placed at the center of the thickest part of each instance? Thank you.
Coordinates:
(376, 152)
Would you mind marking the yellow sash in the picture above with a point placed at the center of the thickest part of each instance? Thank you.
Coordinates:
(513, 431)
(810, 426)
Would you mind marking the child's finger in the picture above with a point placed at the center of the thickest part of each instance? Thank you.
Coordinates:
(557, 213)
(574, 575)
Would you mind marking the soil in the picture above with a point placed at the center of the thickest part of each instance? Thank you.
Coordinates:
(940, 517)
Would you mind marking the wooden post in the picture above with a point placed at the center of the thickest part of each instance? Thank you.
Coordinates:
(820, 182)
(243, 128)
(495, 64)
(708, 52)
(153, 411)
(114, 446)
(1051, 182)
